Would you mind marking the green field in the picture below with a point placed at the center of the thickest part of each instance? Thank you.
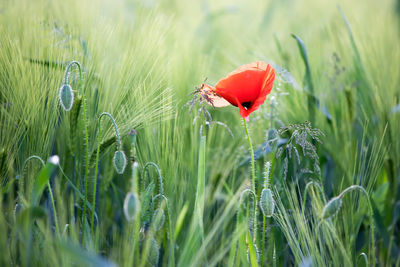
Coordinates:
(106, 161)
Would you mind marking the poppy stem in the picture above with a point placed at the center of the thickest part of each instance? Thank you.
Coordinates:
(253, 173)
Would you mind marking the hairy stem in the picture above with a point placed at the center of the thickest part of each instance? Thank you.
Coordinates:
(66, 80)
(253, 173)
(253, 177)
(48, 186)
(97, 159)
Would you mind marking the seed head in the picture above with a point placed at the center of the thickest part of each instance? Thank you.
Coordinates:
(66, 97)
(119, 161)
(267, 203)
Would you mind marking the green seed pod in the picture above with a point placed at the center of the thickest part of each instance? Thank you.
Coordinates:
(131, 206)
(119, 161)
(66, 97)
(332, 207)
(154, 253)
(158, 219)
(267, 203)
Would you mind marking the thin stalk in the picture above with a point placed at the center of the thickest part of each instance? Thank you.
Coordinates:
(253, 178)
(263, 240)
(253, 173)
(66, 79)
(312, 183)
(268, 167)
(97, 159)
(171, 258)
(54, 208)
(160, 182)
(48, 186)
(254, 195)
(371, 220)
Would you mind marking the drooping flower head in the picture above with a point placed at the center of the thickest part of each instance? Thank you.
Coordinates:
(246, 87)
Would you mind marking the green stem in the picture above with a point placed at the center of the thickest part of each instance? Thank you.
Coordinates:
(263, 240)
(21, 181)
(253, 173)
(48, 186)
(254, 195)
(97, 159)
(312, 183)
(160, 182)
(371, 221)
(54, 208)
(268, 167)
(171, 258)
(66, 79)
(253, 178)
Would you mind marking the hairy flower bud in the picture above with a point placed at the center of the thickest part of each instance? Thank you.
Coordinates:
(66, 97)
(119, 161)
(267, 203)
(154, 253)
(131, 206)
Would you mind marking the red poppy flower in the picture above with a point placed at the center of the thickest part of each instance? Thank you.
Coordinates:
(246, 87)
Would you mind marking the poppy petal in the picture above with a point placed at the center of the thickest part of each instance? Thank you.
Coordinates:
(243, 111)
(208, 93)
(244, 83)
(268, 80)
(265, 90)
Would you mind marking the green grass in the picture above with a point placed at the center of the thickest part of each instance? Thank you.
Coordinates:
(140, 60)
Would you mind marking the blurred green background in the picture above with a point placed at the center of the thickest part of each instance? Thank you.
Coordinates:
(141, 60)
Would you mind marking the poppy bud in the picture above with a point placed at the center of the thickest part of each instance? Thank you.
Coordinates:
(119, 161)
(131, 206)
(66, 97)
(332, 207)
(267, 203)
(154, 253)
(158, 219)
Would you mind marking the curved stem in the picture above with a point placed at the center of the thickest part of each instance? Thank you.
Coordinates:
(161, 188)
(66, 80)
(97, 159)
(306, 191)
(253, 194)
(21, 180)
(372, 228)
(48, 186)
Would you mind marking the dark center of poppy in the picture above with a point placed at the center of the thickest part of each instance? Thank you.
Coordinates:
(246, 105)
